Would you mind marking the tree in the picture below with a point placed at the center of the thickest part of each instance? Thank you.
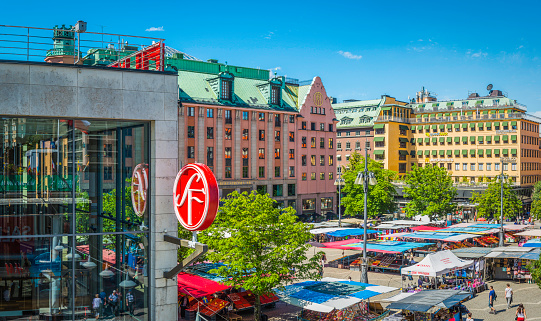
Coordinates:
(380, 196)
(535, 211)
(535, 270)
(266, 247)
(430, 190)
(490, 199)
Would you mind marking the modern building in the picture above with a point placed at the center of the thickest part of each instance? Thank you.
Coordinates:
(72, 137)
(258, 132)
(355, 128)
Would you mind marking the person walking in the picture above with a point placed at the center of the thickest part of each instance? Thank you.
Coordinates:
(509, 295)
(130, 302)
(113, 302)
(469, 318)
(491, 298)
(520, 315)
(184, 302)
(96, 306)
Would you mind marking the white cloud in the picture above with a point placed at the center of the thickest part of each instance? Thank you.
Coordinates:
(277, 68)
(478, 54)
(155, 29)
(520, 47)
(349, 55)
(420, 40)
(269, 36)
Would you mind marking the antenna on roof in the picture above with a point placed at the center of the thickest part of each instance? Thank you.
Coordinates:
(489, 87)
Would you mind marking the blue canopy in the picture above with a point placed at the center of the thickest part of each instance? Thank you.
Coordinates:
(389, 247)
(350, 232)
(533, 243)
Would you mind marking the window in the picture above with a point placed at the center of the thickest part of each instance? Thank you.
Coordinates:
(403, 132)
(210, 113)
(348, 134)
(262, 116)
(191, 131)
(228, 119)
(210, 132)
(261, 135)
(348, 145)
(339, 145)
(226, 89)
(291, 136)
(292, 118)
(277, 190)
(292, 154)
(313, 126)
(276, 135)
(514, 166)
(277, 153)
(275, 95)
(245, 134)
(457, 166)
(322, 127)
(464, 166)
(505, 167)
(401, 167)
(489, 166)
(262, 153)
(261, 171)
(326, 203)
(227, 153)
(291, 171)
(313, 176)
(313, 160)
(277, 122)
(309, 204)
(472, 166)
(367, 144)
(322, 176)
(107, 173)
(339, 134)
(330, 127)
(277, 171)
(449, 166)
(497, 166)
(303, 160)
(331, 160)
(129, 153)
(262, 189)
(190, 111)
(303, 126)
(321, 142)
(331, 175)
(291, 190)
(480, 166)
(321, 160)
(358, 133)
(331, 143)
(304, 176)
(244, 115)
(107, 150)
(303, 139)
(228, 133)
(245, 157)
(210, 156)
(245, 172)
(313, 142)
(191, 151)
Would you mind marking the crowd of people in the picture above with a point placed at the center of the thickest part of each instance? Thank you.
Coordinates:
(520, 314)
(103, 305)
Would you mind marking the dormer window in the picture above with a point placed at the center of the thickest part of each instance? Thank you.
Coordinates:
(275, 95)
(226, 89)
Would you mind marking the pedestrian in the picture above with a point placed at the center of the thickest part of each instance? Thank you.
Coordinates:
(113, 302)
(96, 306)
(349, 278)
(469, 318)
(520, 315)
(420, 282)
(183, 305)
(509, 295)
(491, 298)
(130, 302)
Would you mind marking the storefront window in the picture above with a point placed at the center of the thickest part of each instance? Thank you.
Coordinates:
(62, 215)
(326, 203)
(309, 204)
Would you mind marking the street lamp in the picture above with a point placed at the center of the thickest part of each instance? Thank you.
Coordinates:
(502, 178)
(364, 178)
(339, 182)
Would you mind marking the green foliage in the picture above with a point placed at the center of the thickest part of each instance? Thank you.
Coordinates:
(431, 191)
(380, 196)
(267, 245)
(490, 200)
(535, 211)
(184, 234)
(535, 270)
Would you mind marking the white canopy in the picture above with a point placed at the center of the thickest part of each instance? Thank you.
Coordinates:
(437, 264)
(530, 233)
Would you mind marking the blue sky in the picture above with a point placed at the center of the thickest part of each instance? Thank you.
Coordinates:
(360, 49)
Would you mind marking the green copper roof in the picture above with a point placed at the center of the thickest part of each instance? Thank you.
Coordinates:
(360, 113)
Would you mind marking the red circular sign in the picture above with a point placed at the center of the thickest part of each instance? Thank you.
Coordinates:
(139, 188)
(195, 197)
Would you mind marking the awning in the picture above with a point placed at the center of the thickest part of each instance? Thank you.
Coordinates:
(427, 126)
(464, 125)
(464, 152)
(379, 139)
(425, 300)
(403, 127)
(480, 125)
(343, 232)
(402, 140)
(457, 152)
(505, 123)
(496, 138)
(449, 139)
(496, 151)
(434, 152)
(480, 138)
(505, 151)
(489, 138)
(513, 123)
(536, 232)
(379, 126)
(472, 138)
(489, 125)
(402, 152)
(436, 264)
(427, 140)
(457, 139)
(378, 247)
(464, 138)
(472, 151)
(449, 152)
(480, 152)
(513, 137)
(442, 126)
(496, 123)
(379, 152)
(513, 151)
(472, 125)
(442, 152)
(471, 252)
(419, 152)
(427, 152)
(505, 138)
(457, 125)
(434, 139)
(442, 139)
(197, 286)
(489, 152)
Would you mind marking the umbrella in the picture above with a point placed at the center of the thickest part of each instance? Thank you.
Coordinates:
(316, 244)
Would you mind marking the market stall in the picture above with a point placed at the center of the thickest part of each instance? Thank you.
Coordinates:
(202, 295)
(334, 299)
(445, 240)
(430, 305)
(477, 254)
(532, 243)
(510, 263)
(331, 234)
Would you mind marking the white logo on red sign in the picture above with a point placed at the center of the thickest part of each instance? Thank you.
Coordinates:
(139, 189)
(196, 197)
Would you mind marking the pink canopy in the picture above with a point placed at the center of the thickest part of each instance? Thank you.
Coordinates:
(196, 286)
(425, 228)
(342, 245)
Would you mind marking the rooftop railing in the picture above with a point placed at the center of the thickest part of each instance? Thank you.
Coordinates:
(62, 44)
(460, 118)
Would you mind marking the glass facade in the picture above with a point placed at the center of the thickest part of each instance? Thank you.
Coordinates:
(67, 234)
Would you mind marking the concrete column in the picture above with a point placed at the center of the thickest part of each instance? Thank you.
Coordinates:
(254, 153)
(270, 146)
(181, 137)
(200, 135)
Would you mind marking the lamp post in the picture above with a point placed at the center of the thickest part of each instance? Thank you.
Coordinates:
(365, 177)
(339, 182)
(501, 178)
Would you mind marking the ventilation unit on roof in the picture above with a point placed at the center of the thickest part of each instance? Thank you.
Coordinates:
(350, 100)
(473, 95)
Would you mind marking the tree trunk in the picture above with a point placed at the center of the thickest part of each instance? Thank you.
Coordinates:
(257, 308)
